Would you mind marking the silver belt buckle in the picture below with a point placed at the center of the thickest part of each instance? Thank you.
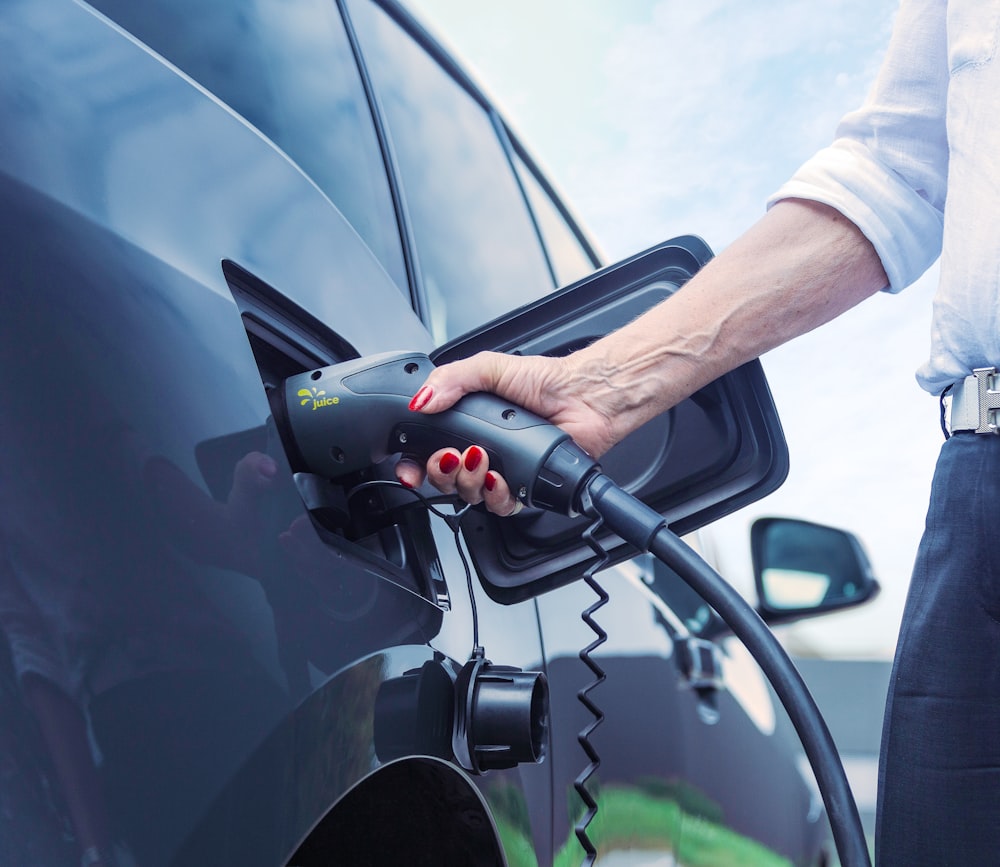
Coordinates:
(989, 400)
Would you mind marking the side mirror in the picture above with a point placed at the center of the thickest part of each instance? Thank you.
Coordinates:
(803, 569)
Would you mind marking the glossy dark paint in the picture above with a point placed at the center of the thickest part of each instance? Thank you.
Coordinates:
(227, 661)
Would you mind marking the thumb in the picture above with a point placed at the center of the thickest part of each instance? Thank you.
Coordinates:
(253, 474)
(447, 384)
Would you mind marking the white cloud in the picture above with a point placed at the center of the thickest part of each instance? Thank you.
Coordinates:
(707, 107)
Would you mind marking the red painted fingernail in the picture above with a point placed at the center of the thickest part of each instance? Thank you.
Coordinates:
(421, 397)
(405, 484)
(490, 482)
(449, 463)
(473, 457)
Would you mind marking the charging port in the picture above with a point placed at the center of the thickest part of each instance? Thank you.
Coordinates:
(286, 341)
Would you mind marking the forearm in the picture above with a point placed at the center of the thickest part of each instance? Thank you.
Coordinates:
(65, 733)
(800, 266)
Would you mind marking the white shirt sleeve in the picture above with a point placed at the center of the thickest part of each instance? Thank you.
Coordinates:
(887, 168)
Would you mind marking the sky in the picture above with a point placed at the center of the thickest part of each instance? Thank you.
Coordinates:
(658, 119)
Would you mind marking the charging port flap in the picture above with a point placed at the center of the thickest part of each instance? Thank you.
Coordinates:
(715, 452)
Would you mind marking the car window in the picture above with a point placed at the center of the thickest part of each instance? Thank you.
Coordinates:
(569, 258)
(287, 67)
(478, 252)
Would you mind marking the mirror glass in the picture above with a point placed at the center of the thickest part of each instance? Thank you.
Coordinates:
(800, 565)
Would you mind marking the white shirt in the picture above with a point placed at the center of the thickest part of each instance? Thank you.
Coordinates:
(928, 132)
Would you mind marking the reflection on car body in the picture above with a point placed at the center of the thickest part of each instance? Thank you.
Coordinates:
(200, 200)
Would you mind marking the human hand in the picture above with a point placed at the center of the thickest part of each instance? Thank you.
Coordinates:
(554, 388)
(239, 536)
(220, 534)
(255, 475)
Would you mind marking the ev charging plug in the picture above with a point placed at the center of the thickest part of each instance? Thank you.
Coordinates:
(342, 419)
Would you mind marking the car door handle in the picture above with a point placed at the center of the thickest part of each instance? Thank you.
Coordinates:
(701, 664)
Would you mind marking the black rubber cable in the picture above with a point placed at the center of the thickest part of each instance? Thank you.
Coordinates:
(584, 697)
(644, 528)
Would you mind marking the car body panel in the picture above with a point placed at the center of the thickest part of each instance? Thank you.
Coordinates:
(163, 166)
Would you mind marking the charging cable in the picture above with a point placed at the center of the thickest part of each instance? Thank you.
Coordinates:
(647, 530)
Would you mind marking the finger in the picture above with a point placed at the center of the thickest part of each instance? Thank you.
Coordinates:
(410, 473)
(253, 474)
(299, 532)
(472, 475)
(498, 497)
(443, 468)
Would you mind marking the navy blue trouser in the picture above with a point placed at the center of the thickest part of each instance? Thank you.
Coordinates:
(939, 775)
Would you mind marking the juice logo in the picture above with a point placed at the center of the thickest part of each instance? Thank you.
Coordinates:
(315, 395)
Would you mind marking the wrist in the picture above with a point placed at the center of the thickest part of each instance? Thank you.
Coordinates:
(628, 382)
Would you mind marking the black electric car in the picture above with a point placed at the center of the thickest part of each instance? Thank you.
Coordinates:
(212, 656)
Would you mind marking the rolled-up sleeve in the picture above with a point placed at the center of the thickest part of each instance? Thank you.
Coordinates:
(887, 168)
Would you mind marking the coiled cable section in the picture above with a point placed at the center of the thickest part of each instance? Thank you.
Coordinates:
(580, 784)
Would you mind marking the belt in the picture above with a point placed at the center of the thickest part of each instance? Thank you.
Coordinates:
(974, 403)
